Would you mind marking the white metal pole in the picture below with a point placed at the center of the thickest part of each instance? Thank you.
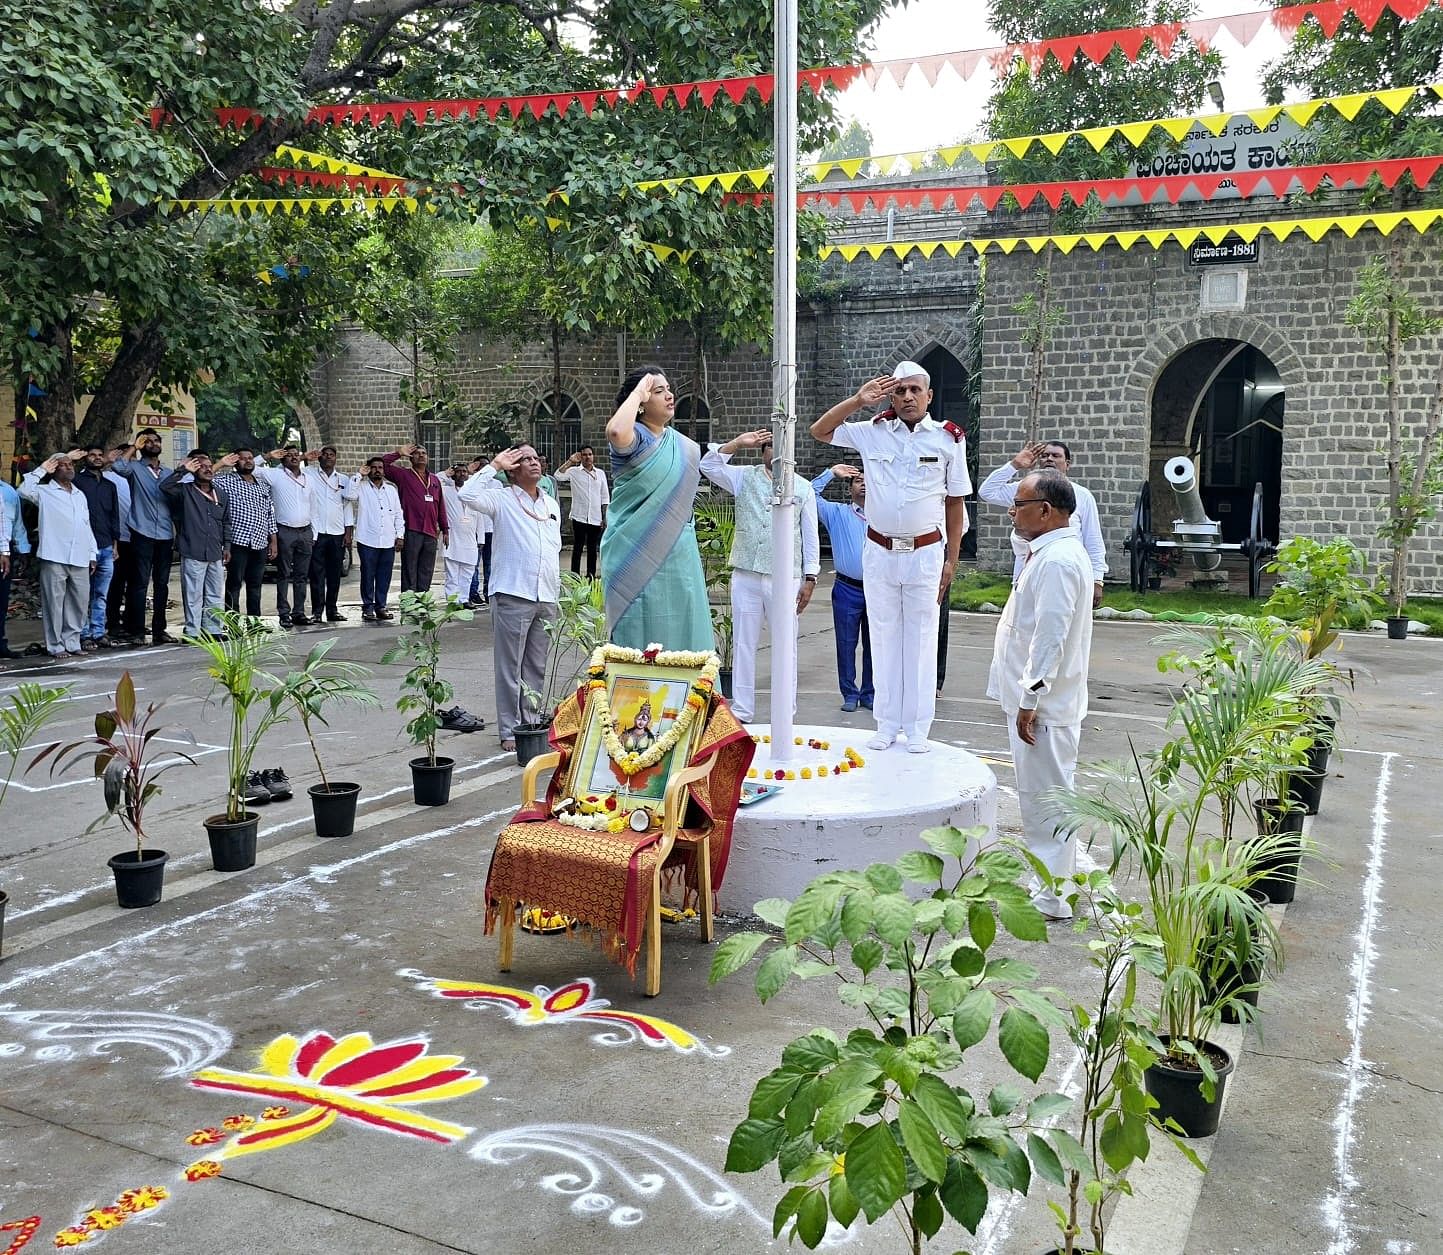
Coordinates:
(782, 607)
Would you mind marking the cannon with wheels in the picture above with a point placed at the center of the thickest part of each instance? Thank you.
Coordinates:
(1195, 534)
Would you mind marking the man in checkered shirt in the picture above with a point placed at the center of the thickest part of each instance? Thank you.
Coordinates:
(252, 528)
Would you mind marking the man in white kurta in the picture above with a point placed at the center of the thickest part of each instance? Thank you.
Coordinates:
(463, 541)
(751, 555)
(917, 482)
(1000, 487)
(1039, 667)
(66, 551)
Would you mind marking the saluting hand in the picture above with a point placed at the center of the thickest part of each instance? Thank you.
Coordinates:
(845, 470)
(875, 389)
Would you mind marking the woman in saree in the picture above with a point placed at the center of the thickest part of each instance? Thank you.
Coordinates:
(650, 567)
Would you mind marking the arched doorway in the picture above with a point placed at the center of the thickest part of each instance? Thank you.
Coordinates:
(1220, 402)
(950, 405)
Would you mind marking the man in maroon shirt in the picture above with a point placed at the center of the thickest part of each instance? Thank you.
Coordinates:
(425, 511)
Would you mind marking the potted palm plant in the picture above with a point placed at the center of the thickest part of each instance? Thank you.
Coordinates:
(577, 629)
(423, 691)
(25, 712)
(238, 659)
(716, 526)
(123, 756)
(320, 682)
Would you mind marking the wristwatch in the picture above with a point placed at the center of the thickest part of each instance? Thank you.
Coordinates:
(810, 579)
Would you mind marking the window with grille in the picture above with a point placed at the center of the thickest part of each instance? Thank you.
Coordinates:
(436, 440)
(552, 440)
(693, 418)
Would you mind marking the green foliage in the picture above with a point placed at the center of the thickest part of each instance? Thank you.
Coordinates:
(423, 691)
(237, 660)
(870, 1124)
(716, 527)
(320, 682)
(28, 709)
(576, 630)
(854, 141)
(1321, 584)
(121, 755)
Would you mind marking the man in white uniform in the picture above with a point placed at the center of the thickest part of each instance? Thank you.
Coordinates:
(917, 481)
(1039, 666)
(751, 555)
(1000, 488)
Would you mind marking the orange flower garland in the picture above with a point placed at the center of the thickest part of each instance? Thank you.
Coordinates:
(849, 762)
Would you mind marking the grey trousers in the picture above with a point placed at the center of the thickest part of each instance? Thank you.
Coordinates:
(202, 593)
(293, 561)
(64, 602)
(519, 649)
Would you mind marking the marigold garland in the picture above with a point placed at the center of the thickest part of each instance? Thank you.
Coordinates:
(697, 700)
(849, 762)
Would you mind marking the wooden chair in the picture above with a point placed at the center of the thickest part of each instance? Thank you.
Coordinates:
(545, 837)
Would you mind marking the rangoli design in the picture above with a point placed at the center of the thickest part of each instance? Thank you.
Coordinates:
(330, 1079)
(100, 1221)
(576, 1001)
(23, 1230)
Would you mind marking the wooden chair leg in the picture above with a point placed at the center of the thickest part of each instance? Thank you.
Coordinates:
(653, 940)
(507, 907)
(703, 880)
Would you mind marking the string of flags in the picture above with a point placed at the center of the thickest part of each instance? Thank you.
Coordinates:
(1064, 51)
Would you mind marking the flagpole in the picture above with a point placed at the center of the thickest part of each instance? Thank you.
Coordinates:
(782, 607)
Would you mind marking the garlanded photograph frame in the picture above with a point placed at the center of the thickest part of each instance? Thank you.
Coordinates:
(645, 711)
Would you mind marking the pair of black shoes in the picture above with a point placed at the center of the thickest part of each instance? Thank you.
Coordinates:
(458, 720)
(267, 786)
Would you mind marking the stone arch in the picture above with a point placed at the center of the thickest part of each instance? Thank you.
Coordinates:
(540, 386)
(935, 335)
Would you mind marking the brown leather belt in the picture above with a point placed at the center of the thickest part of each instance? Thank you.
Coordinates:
(905, 544)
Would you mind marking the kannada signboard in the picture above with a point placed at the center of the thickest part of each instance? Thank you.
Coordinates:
(1243, 145)
(1229, 253)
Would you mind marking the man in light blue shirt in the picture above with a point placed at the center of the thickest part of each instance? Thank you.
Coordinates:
(14, 541)
(152, 537)
(846, 524)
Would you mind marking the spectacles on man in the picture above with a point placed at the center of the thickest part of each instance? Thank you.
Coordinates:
(1022, 501)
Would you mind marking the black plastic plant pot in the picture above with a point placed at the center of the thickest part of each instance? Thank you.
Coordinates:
(232, 842)
(1397, 627)
(532, 740)
(1305, 789)
(139, 878)
(724, 682)
(1178, 1090)
(334, 807)
(4, 901)
(431, 780)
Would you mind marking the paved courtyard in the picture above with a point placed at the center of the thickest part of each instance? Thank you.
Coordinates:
(131, 1042)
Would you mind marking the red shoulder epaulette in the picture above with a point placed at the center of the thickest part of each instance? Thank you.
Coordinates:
(955, 432)
(889, 412)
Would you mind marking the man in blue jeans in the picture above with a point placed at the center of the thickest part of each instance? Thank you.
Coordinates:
(14, 546)
(846, 524)
(104, 501)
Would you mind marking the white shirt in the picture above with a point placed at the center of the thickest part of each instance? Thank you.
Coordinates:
(291, 495)
(717, 467)
(590, 493)
(526, 559)
(65, 535)
(910, 474)
(1039, 660)
(463, 536)
(1000, 488)
(379, 520)
(329, 493)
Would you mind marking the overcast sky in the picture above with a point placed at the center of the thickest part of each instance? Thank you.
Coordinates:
(917, 116)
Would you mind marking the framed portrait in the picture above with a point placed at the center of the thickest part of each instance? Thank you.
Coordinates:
(644, 702)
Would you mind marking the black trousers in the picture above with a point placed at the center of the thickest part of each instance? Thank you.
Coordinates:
(588, 536)
(418, 561)
(152, 570)
(247, 566)
(326, 572)
(120, 578)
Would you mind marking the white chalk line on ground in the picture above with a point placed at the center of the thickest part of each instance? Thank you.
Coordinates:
(321, 874)
(368, 819)
(1355, 1074)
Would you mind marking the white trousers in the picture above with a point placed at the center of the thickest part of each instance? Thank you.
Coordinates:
(750, 591)
(458, 577)
(902, 611)
(1050, 764)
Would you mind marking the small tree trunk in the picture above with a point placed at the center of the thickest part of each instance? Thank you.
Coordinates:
(135, 364)
(556, 453)
(52, 427)
(1398, 571)
(1039, 344)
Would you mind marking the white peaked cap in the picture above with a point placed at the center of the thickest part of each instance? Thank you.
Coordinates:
(905, 370)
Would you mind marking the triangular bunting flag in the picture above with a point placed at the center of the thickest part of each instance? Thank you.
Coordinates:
(1130, 40)
(1035, 242)
(850, 252)
(1244, 27)
(1316, 228)
(1177, 127)
(1421, 219)
(1263, 118)
(1302, 113)
(930, 66)
(1203, 32)
(736, 89)
(1217, 123)
(1351, 224)
(966, 63)
(1054, 142)
(1163, 36)
(1066, 243)
(1126, 239)
(953, 247)
(1385, 224)
(1007, 244)
(875, 251)
(729, 179)
(703, 181)
(1248, 232)
(852, 167)
(1018, 147)
(1217, 234)
(758, 177)
(1095, 47)
(825, 251)
(1063, 51)
(1135, 132)
(1350, 105)
(981, 153)
(1098, 136)
(1281, 230)
(1394, 99)
(1186, 235)
(1156, 238)
(927, 248)
(1096, 239)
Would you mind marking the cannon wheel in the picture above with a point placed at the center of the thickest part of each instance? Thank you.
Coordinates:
(1257, 547)
(1141, 542)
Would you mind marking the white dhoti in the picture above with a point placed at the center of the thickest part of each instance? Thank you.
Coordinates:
(458, 576)
(750, 591)
(1050, 764)
(902, 611)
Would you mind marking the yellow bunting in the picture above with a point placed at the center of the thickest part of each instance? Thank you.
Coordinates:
(1281, 230)
(850, 252)
(949, 156)
(1264, 118)
(1036, 242)
(1395, 98)
(1216, 123)
(1350, 104)
(729, 179)
(820, 170)
(928, 249)
(1421, 219)
(1178, 128)
(1135, 132)
(953, 247)
(1018, 147)
(703, 182)
(1096, 239)
(852, 167)
(1247, 231)
(1066, 243)
(332, 165)
(1054, 142)
(1156, 238)
(875, 251)
(1098, 136)
(981, 153)
(1186, 235)
(1126, 239)
(759, 177)
(1303, 112)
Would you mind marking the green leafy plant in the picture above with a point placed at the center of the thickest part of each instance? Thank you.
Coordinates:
(1321, 585)
(577, 628)
(716, 526)
(123, 757)
(237, 659)
(870, 1123)
(322, 681)
(423, 691)
(24, 713)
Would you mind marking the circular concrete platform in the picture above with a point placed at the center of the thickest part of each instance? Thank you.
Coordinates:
(837, 822)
